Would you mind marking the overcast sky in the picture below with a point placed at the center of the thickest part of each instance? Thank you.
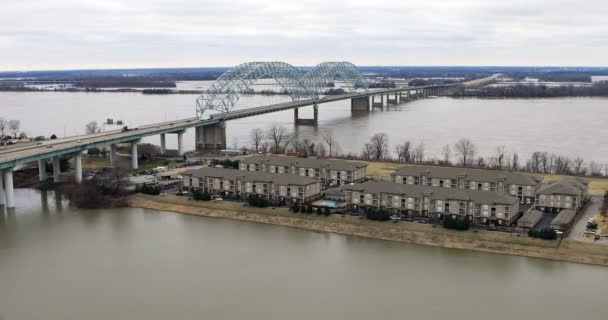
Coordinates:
(61, 34)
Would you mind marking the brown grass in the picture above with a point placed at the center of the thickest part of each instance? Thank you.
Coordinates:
(496, 242)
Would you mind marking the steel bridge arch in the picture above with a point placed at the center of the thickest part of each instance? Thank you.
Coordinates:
(224, 93)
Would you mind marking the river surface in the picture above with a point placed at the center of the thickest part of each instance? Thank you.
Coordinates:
(569, 126)
(58, 262)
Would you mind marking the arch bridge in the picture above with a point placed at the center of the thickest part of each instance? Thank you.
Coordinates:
(213, 108)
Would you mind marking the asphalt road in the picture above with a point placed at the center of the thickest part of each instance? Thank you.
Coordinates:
(580, 226)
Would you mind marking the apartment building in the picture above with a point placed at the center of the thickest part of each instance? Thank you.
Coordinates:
(515, 184)
(277, 188)
(325, 170)
(434, 202)
(565, 193)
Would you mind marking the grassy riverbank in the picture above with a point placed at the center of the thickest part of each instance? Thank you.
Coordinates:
(485, 241)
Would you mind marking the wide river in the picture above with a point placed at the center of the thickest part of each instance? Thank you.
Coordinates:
(569, 126)
(58, 262)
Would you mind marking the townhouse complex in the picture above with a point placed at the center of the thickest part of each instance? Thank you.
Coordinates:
(515, 184)
(484, 196)
(278, 188)
(328, 172)
(565, 193)
(431, 201)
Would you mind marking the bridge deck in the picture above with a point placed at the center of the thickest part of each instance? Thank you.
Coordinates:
(11, 156)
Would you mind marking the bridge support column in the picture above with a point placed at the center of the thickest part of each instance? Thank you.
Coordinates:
(390, 101)
(134, 156)
(2, 193)
(56, 169)
(78, 166)
(378, 104)
(112, 155)
(212, 137)
(9, 188)
(163, 144)
(359, 104)
(312, 121)
(180, 143)
(42, 170)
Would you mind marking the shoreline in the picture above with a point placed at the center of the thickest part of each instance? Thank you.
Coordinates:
(482, 241)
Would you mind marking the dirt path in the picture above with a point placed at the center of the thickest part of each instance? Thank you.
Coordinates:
(485, 241)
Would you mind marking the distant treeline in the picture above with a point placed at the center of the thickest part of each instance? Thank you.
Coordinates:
(124, 82)
(430, 82)
(540, 91)
(382, 84)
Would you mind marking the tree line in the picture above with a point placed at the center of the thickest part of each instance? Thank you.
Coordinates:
(463, 153)
(536, 91)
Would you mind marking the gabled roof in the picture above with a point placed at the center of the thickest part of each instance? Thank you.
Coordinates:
(436, 193)
(480, 175)
(568, 186)
(250, 176)
(563, 219)
(277, 160)
(530, 219)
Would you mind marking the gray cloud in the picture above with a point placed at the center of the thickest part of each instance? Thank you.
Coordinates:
(57, 34)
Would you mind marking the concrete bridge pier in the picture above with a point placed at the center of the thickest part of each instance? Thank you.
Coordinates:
(78, 166)
(163, 144)
(212, 137)
(180, 143)
(2, 193)
(314, 121)
(359, 104)
(112, 155)
(42, 170)
(393, 101)
(378, 104)
(134, 156)
(56, 169)
(9, 191)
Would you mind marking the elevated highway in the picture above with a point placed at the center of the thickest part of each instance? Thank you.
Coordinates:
(210, 128)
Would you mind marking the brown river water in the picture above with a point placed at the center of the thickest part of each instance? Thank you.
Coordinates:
(59, 262)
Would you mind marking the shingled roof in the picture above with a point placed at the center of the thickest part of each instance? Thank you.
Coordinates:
(436, 193)
(250, 176)
(530, 219)
(470, 174)
(568, 186)
(333, 164)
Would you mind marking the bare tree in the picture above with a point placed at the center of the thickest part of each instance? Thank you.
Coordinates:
(256, 136)
(332, 144)
(501, 152)
(367, 152)
(447, 153)
(595, 169)
(418, 153)
(562, 165)
(379, 144)
(403, 151)
(279, 138)
(13, 127)
(119, 175)
(92, 127)
(3, 127)
(481, 162)
(578, 166)
(466, 150)
(515, 162)
(321, 151)
(535, 161)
